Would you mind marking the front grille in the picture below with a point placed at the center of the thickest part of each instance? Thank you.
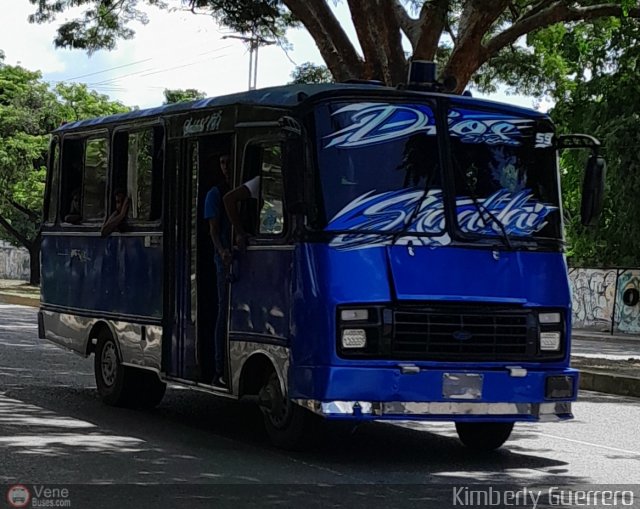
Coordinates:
(487, 334)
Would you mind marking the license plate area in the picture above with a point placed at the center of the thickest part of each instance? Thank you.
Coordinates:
(462, 385)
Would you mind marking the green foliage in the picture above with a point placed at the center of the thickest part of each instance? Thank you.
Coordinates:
(311, 73)
(178, 95)
(29, 111)
(103, 22)
(76, 101)
(604, 102)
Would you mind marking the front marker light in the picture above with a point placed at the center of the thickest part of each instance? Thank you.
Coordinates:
(354, 338)
(546, 318)
(550, 341)
(348, 315)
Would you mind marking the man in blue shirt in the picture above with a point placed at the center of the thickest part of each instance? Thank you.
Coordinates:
(220, 233)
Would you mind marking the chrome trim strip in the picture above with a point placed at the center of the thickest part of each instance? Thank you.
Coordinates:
(381, 409)
(198, 386)
(101, 315)
(257, 337)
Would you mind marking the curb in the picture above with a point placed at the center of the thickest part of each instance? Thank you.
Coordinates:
(610, 384)
(19, 301)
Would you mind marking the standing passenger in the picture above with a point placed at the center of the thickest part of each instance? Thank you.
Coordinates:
(219, 231)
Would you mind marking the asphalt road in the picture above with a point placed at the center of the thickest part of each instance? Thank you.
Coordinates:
(55, 430)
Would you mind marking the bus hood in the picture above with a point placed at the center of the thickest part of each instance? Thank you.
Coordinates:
(477, 275)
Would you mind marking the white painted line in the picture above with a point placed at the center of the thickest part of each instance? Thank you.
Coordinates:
(625, 451)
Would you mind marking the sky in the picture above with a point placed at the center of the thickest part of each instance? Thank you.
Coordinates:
(175, 50)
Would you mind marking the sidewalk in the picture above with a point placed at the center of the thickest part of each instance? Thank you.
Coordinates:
(607, 363)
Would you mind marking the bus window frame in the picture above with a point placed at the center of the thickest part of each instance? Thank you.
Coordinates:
(53, 167)
(261, 239)
(137, 225)
(84, 136)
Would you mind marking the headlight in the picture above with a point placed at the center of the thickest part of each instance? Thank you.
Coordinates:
(550, 341)
(547, 318)
(354, 338)
(350, 315)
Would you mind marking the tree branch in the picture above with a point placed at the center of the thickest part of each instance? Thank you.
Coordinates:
(410, 26)
(379, 36)
(28, 212)
(434, 13)
(15, 233)
(335, 47)
(554, 13)
(469, 54)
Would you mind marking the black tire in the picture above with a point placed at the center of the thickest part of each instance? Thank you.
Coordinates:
(120, 385)
(111, 377)
(484, 436)
(288, 425)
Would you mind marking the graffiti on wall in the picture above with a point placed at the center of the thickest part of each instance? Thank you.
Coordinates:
(593, 298)
(14, 262)
(606, 299)
(627, 317)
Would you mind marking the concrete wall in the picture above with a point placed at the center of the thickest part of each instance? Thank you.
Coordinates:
(14, 262)
(598, 299)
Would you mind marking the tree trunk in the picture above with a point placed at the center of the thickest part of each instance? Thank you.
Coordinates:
(34, 261)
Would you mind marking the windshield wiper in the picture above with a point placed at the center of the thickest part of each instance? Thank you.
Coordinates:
(482, 210)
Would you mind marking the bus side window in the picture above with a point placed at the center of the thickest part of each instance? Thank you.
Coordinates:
(138, 158)
(271, 219)
(71, 180)
(95, 179)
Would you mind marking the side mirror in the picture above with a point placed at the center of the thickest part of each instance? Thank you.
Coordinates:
(593, 190)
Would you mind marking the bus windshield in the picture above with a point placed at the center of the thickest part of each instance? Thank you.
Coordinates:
(381, 174)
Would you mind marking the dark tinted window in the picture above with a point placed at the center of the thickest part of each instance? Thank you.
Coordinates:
(95, 179)
(504, 166)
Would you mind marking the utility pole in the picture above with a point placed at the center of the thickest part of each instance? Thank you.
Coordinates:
(254, 41)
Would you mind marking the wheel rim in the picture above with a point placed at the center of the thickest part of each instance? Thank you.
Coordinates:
(109, 364)
(280, 410)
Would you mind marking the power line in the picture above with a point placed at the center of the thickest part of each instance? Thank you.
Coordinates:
(107, 70)
(151, 71)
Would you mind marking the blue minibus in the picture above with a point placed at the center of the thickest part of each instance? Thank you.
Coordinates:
(405, 260)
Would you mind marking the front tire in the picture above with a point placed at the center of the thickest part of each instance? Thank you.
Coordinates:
(288, 425)
(484, 436)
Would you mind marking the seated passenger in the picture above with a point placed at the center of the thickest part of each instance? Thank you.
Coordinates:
(75, 214)
(115, 220)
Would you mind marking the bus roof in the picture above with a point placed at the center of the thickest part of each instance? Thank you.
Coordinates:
(286, 96)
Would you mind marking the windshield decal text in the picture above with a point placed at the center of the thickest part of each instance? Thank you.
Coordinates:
(391, 212)
(371, 123)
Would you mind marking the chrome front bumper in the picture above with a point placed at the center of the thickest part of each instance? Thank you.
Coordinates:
(393, 410)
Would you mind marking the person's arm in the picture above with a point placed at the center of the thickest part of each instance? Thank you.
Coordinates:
(112, 224)
(214, 233)
(231, 202)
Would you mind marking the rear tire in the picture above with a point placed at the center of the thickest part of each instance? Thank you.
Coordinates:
(484, 436)
(288, 425)
(120, 385)
(111, 379)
